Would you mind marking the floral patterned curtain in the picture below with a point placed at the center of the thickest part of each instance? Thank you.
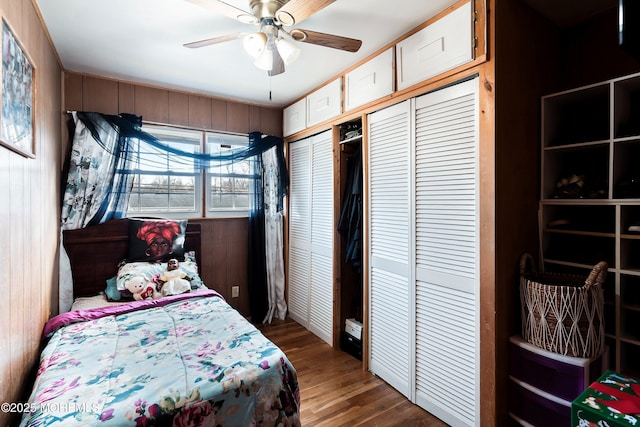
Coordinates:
(266, 263)
(274, 233)
(94, 192)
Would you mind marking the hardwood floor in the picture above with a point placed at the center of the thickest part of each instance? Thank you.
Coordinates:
(335, 391)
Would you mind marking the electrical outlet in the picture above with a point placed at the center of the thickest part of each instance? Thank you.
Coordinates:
(235, 291)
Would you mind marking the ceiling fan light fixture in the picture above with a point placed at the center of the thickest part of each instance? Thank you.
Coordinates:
(288, 51)
(247, 19)
(298, 35)
(264, 61)
(285, 18)
(255, 43)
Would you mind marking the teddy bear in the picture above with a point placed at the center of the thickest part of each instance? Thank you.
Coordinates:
(140, 288)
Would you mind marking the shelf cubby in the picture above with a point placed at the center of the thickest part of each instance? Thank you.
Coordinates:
(577, 116)
(587, 162)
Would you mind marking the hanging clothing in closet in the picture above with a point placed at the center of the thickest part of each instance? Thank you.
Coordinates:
(350, 223)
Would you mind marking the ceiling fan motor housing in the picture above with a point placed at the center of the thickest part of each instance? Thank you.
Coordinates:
(266, 8)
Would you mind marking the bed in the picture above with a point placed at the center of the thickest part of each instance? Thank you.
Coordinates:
(183, 360)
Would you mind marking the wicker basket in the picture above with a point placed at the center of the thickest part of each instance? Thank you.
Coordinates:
(563, 313)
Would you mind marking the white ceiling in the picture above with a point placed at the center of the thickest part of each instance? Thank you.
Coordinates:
(141, 41)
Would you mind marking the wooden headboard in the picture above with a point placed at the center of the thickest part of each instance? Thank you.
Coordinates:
(96, 251)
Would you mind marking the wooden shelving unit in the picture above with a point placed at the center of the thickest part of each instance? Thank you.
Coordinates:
(591, 135)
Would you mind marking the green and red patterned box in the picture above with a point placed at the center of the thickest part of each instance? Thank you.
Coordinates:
(613, 400)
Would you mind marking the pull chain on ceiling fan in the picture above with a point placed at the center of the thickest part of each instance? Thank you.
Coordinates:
(270, 45)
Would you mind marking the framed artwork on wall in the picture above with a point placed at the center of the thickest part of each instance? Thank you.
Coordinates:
(18, 96)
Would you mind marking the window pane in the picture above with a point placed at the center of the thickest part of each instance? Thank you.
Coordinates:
(153, 202)
(152, 158)
(167, 181)
(182, 193)
(242, 168)
(241, 185)
(182, 184)
(221, 201)
(228, 179)
(231, 193)
(152, 183)
(242, 201)
(182, 202)
(134, 202)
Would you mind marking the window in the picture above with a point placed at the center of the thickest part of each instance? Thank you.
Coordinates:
(169, 184)
(228, 182)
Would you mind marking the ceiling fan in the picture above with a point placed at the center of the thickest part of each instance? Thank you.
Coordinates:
(271, 45)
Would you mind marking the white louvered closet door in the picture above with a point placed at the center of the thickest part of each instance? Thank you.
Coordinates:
(299, 226)
(311, 234)
(322, 229)
(446, 253)
(389, 133)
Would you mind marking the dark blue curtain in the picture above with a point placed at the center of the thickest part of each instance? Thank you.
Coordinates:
(128, 126)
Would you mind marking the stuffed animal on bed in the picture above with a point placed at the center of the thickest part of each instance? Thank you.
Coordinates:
(174, 281)
(140, 288)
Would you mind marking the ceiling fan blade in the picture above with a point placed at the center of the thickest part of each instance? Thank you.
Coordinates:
(328, 40)
(214, 40)
(278, 64)
(295, 11)
(226, 9)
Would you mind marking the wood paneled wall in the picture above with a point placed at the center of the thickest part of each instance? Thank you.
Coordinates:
(224, 258)
(224, 241)
(523, 56)
(29, 216)
(91, 93)
(591, 53)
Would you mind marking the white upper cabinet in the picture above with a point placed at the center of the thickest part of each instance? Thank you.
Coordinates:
(441, 46)
(445, 44)
(294, 117)
(325, 103)
(370, 81)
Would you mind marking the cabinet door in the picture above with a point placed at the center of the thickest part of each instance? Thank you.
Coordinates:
(294, 117)
(389, 249)
(446, 253)
(324, 103)
(441, 46)
(370, 81)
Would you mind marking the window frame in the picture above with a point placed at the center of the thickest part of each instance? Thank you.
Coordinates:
(232, 140)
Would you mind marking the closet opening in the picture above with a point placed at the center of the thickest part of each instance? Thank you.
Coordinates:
(350, 229)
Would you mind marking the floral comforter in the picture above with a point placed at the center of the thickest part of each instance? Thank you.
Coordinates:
(189, 360)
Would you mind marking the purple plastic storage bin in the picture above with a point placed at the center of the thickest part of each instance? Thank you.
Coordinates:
(561, 376)
(536, 407)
